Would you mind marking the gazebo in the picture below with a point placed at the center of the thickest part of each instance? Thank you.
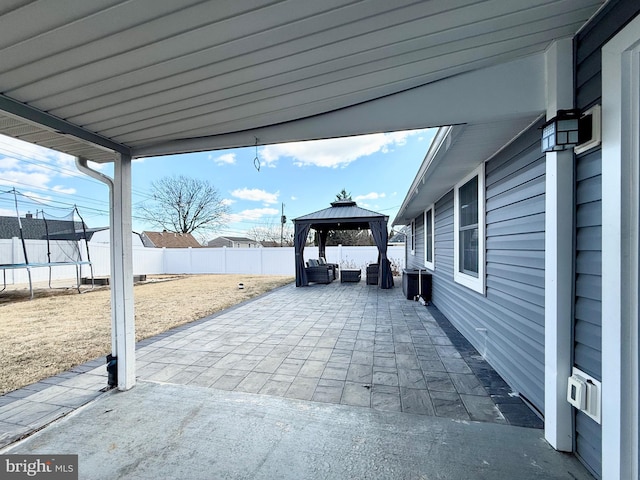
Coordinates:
(342, 215)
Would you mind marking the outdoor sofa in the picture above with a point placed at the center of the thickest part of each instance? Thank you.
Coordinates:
(318, 273)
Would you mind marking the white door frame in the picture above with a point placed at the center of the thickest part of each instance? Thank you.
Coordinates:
(620, 256)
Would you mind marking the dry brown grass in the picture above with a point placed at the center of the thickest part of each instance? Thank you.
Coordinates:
(60, 329)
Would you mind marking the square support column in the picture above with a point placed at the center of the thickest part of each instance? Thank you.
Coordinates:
(558, 425)
(122, 274)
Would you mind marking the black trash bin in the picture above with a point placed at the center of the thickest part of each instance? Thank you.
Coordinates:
(412, 278)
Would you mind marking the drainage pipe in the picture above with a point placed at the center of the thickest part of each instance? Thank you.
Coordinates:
(82, 165)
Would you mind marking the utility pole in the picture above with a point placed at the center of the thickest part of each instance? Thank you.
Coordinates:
(283, 220)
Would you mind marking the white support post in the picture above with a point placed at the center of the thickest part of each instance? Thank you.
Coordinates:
(122, 274)
(558, 425)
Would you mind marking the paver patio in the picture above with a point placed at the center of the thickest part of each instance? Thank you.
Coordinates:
(342, 343)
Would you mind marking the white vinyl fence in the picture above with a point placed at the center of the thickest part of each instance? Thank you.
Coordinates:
(149, 261)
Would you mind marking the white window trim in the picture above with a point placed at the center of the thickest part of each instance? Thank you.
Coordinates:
(620, 238)
(412, 239)
(430, 265)
(476, 284)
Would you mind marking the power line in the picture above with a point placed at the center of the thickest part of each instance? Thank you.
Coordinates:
(45, 162)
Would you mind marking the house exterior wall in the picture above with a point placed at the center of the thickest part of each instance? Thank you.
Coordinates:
(587, 318)
(416, 259)
(506, 325)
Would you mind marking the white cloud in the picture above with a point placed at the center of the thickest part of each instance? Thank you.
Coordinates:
(256, 195)
(370, 196)
(6, 163)
(37, 196)
(335, 152)
(61, 189)
(293, 198)
(24, 165)
(20, 179)
(7, 212)
(224, 159)
(252, 214)
(227, 201)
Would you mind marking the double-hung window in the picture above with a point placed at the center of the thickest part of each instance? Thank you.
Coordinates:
(469, 232)
(429, 238)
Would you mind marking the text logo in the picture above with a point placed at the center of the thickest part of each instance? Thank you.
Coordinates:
(49, 467)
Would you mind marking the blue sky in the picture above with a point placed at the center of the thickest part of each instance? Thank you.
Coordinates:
(306, 176)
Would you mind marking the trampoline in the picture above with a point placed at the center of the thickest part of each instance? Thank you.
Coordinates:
(47, 241)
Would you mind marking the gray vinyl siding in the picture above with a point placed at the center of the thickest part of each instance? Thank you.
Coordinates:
(588, 266)
(417, 260)
(587, 326)
(512, 311)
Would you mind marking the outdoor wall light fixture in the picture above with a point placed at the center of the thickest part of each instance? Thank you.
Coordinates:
(561, 132)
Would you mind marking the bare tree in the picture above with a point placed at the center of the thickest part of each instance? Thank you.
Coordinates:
(343, 195)
(350, 237)
(184, 205)
(270, 232)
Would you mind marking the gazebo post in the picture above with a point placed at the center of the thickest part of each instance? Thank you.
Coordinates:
(322, 243)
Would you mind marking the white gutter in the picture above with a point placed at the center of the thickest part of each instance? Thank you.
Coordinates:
(82, 165)
(432, 153)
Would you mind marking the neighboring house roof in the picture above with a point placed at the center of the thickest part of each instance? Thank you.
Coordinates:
(169, 240)
(270, 243)
(229, 241)
(35, 228)
(399, 237)
(240, 239)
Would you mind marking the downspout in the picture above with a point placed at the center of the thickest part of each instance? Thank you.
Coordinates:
(81, 164)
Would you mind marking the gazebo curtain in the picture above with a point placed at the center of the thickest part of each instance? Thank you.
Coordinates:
(300, 239)
(381, 236)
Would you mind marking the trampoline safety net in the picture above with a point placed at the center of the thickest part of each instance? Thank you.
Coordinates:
(47, 240)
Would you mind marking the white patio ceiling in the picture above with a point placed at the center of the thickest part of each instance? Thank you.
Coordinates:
(153, 77)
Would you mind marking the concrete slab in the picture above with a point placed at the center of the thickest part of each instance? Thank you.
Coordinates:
(358, 346)
(188, 432)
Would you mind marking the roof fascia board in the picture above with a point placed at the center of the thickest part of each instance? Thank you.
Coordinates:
(514, 88)
(52, 123)
(437, 151)
(449, 162)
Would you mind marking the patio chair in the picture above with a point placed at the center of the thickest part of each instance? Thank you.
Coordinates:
(333, 266)
(317, 273)
(372, 274)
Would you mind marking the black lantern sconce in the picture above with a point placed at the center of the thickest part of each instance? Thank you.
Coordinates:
(561, 132)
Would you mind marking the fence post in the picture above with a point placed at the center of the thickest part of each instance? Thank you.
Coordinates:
(261, 261)
(15, 247)
(224, 255)
(164, 260)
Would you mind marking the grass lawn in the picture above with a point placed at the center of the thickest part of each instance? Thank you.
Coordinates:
(60, 329)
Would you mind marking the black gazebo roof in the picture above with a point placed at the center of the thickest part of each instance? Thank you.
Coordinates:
(342, 215)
